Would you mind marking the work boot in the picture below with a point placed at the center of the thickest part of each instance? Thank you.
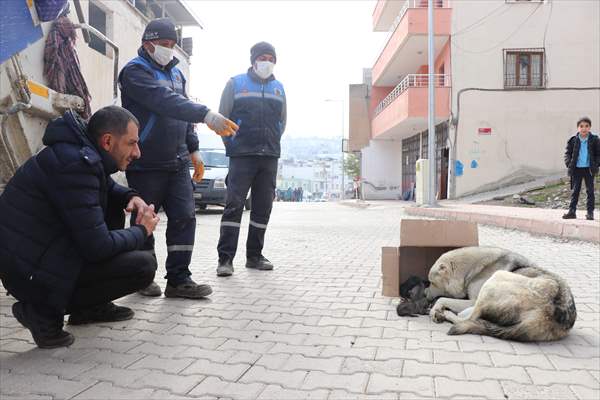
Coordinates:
(47, 332)
(225, 268)
(260, 263)
(569, 215)
(589, 216)
(152, 290)
(108, 312)
(188, 290)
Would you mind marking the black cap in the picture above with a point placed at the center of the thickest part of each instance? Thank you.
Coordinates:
(161, 28)
(261, 48)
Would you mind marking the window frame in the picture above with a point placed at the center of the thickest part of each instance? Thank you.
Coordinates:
(108, 29)
(529, 52)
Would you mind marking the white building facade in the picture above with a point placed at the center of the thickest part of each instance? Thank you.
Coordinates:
(511, 79)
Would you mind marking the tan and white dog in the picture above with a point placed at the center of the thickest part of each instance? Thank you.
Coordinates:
(495, 292)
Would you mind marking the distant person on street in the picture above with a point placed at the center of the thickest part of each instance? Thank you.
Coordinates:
(154, 90)
(63, 246)
(300, 194)
(582, 158)
(256, 102)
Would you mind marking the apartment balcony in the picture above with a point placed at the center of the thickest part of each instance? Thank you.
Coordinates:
(405, 48)
(404, 111)
(384, 14)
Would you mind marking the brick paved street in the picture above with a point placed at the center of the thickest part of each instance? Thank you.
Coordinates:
(316, 327)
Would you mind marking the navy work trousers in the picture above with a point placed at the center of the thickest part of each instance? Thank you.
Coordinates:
(258, 174)
(172, 191)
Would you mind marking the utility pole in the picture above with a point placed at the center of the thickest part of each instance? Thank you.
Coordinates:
(431, 201)
(343, 154)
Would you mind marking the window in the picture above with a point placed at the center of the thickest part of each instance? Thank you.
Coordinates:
(524, 68)
(97, 18)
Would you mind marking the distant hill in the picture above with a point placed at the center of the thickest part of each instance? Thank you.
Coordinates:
(298, 148)
(306, 148)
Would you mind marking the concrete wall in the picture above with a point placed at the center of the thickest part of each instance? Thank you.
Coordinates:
(529, 128)
(381, 167)
(360, 126)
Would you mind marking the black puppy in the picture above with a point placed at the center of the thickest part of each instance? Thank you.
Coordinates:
(414, 300)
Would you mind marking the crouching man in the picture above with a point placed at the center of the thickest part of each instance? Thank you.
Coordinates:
(63, 246)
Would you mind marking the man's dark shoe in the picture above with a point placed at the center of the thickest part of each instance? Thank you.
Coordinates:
(569, 215)
(260, 263)
(46, 331)
(108, 312)
(225, 268)
(188, 290)
(589, 216)
(152, 290)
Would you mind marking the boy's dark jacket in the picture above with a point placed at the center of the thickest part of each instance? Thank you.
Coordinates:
(572, 153)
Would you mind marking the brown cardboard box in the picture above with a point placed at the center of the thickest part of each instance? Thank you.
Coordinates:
(417, 261)
(422, 242)
(389, 271)
(438, 233)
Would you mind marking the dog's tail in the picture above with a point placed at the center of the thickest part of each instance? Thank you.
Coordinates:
(565, 312)
(484, 327)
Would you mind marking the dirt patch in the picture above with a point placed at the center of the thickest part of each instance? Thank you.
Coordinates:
(556, 195)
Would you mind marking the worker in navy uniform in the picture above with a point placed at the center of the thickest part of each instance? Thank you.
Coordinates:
(154, 90)
(256, 102)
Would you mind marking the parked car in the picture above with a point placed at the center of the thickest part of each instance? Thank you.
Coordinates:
(212, 190)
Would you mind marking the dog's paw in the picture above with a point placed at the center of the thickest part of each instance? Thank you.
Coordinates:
(437, 314)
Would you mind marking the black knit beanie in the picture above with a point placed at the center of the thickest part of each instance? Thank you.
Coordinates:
(261, 48)
(161, 28)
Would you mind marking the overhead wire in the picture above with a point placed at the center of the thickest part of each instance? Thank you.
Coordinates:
(518, 28)
(481, 20)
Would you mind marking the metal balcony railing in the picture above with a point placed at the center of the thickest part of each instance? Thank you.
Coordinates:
(412, 81)
(408, 4)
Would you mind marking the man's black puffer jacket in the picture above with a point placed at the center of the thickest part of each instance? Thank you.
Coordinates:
(53, 214)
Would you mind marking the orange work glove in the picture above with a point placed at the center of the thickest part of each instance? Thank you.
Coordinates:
(221, 125)
(198, 167)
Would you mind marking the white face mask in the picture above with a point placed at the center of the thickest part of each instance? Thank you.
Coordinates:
(162, 55)
(264, 69)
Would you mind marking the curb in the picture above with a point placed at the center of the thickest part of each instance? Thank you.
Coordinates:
(573, 231)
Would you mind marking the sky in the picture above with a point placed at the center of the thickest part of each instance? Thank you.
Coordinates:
(322, 47)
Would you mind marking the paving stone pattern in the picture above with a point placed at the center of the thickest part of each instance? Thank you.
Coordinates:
(316, 327)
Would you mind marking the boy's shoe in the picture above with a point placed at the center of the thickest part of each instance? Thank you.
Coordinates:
(569, 215)
(108, 312)
(47, 332)
(225, 268)
(589, 216)
(260, 263)
(152, 290)
(188, 290)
